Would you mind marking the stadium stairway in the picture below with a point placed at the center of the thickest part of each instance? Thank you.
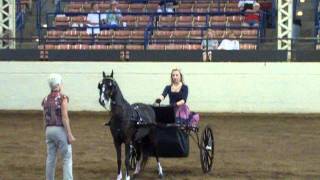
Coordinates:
(307, 28)
(30, 24)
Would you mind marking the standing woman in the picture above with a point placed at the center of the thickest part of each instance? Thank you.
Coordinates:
(178, 93)
(58, 131)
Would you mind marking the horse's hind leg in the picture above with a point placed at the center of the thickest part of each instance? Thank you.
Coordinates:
(118, 149)
(127, 152)
(160, 171)
(139, 159)
(155, 148)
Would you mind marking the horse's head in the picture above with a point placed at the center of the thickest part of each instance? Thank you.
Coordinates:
(107, 87)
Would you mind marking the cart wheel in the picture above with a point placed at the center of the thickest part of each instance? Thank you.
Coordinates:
(132, 157)
(207, 149)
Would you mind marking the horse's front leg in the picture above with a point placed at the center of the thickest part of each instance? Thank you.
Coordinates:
(127, 152)
(118, 149)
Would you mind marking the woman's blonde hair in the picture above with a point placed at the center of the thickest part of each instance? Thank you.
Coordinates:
(178, 70)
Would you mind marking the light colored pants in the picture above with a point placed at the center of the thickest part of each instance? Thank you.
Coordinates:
(56, 139)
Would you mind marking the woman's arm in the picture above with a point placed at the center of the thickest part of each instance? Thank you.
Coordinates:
(181, 102)
(185, 92)
(65, 119)
(164, 94)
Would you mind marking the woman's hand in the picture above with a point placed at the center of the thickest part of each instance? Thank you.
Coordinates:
(158, 101)
(181, 102)
(71, 138)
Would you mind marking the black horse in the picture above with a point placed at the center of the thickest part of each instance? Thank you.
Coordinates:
(129, 124)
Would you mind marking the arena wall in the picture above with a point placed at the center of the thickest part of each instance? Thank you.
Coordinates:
(213, 87)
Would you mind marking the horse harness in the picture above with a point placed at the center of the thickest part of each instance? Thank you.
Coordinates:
(136, 116)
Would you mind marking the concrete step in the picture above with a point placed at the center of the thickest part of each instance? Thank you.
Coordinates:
(307, 29)
(268, 46)
(299, 46)
(304, 46)
(271, 33)
(307, 13)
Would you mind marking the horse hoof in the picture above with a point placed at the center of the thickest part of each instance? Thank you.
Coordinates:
(161, 176)
(134, 176)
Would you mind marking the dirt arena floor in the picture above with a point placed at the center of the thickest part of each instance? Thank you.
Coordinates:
(247, 147)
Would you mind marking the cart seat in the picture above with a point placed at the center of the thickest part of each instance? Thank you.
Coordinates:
(164, 114)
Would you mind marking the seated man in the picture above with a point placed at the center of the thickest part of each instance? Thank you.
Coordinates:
(251, 16)
(245, 5)
(166, 8)
(212, 45)
(228, 44)
(112, 17)
(93, 20)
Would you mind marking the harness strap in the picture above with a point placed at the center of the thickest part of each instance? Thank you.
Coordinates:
(137, 119)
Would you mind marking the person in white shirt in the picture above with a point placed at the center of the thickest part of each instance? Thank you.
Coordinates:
(93, 20)
(166, 8)
(229, 44)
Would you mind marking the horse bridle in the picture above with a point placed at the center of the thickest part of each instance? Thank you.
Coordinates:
(110, 93)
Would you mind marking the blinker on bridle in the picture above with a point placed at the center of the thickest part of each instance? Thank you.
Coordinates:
(110, 78)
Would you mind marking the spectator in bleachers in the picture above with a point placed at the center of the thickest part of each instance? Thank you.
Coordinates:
(251, 16)
(112, 17)
(167, 7)
(93, 20)
(174, 2)
(229, 44)
(245, 5)
(212, 45)
(57, 4)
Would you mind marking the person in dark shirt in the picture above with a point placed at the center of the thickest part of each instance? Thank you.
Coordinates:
(177, 90)
(178, 94)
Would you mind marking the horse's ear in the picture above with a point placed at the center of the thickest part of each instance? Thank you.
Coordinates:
(111, 75)
(103, 74)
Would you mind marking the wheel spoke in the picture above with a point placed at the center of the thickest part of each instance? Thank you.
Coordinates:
(209, 160)
(207, 164)
(207, 149)
(208, 155)
(205, 159)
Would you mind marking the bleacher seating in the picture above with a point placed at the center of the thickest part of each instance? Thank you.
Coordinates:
(141, 30)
